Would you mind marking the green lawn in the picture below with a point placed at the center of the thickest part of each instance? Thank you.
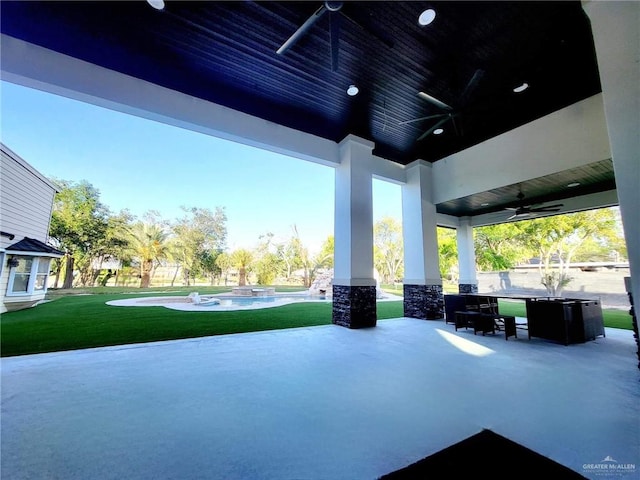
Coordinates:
(83, 320)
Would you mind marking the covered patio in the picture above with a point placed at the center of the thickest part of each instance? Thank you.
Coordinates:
(358, 402)
(317, 403)
(475, 109)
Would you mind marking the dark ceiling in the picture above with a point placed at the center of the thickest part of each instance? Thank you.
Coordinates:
(591, 178)
(471, 57)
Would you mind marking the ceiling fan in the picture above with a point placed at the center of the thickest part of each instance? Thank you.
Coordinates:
(449, 113)
(527, 211)
(335, 12)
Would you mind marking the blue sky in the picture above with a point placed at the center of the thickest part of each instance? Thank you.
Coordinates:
(141, 165)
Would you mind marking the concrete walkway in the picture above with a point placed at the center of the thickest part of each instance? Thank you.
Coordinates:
(315, 403)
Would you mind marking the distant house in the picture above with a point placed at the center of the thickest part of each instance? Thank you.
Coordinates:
(26, 203)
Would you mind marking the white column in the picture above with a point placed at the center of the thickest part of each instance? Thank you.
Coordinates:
(354, 285)
(353, 249)
(422, 282)
(421, 265)
(466, 253)
(616, 33)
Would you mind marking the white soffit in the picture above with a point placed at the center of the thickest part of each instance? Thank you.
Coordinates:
(39, 68)
(569, 138)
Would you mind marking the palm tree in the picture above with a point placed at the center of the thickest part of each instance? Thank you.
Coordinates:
(149, 243)
(242, 260)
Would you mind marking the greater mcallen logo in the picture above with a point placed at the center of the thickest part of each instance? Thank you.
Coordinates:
(609, 466)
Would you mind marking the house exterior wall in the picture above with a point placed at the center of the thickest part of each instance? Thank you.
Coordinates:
(26, 203)
(26, 199)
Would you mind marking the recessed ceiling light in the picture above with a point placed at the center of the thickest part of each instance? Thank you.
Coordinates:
(521, 88)
(427, 17)
(438, 131)
(352, 90)
(574, 184)
(157, 4)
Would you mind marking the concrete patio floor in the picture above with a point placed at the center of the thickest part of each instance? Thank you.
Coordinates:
(315, 403)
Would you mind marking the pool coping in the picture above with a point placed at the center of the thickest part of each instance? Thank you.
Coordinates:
(183, 303)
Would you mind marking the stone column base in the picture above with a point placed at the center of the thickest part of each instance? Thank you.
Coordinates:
(354, 306)
(423, 301)
(467, 288)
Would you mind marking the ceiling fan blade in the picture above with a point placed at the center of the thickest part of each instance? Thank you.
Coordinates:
(430, 131)
(457, 127)
(438, 115)
(434, 101)
(520, 214)
(471, 86)
(302, 30)
(547, 207)
(334, 37)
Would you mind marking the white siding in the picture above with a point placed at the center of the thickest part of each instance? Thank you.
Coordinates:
(26, 200)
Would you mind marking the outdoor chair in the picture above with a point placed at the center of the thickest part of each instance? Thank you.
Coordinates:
(465, 319)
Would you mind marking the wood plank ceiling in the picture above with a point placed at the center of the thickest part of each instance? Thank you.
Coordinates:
(226, 52)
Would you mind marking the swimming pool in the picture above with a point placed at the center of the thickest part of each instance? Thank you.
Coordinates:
(218, 302)
(256, 301)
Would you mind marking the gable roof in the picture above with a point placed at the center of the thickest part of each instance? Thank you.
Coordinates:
(31, 245)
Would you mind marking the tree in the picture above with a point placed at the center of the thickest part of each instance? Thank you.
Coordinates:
(288, 254)
(302, 257)
(557, 238)
(56, 267)
(173, 255)
(242, 260)
(149, 245)
(607, 247)
(388, 251)
(224, 262)
(448, 253)
(499, 247)
(327, 251)
(266, 268)
(268, 264)
(79, 222)
(323, 259)
(295, 255)
(112, 245)
(198, 231)
(208, 264)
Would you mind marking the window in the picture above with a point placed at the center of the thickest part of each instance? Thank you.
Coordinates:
(42, 273)
(21, 275)
(29, 276)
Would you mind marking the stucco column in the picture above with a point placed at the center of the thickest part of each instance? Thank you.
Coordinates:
(354, 286)
(423, 297)
(616, 35)
(467, 281)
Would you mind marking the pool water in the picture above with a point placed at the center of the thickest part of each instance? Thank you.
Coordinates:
(223, 302)
(249, 301)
